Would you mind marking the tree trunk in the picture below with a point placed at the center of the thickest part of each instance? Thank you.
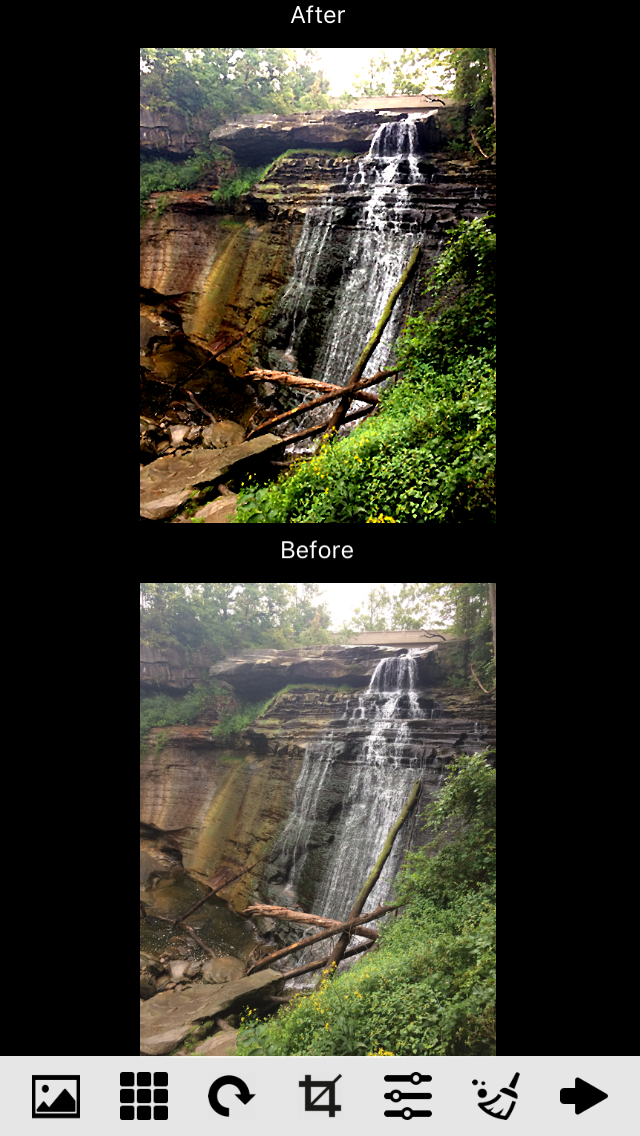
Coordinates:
(304, 406)
(318, 429)
(343, 941)
(339, 413)
(322, 935)
(492, 601)
(316, 965)
(293, 916)
(492, 65)
(338, 392)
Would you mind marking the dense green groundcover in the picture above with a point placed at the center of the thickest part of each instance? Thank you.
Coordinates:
(428, 456)
(429, 986)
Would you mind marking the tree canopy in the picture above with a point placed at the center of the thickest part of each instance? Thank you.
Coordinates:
(216, 82)
(227, 617)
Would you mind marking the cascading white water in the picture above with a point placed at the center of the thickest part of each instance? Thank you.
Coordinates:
(375, 206)
(377, 788)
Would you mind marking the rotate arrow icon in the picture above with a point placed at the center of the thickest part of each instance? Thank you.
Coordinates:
(244, 1095)
(583, 1096)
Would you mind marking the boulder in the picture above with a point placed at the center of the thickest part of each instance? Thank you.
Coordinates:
(147, 985)
(151, 963)
(222, 1044)
(223, 969)
(220, 511)
(167, 1019)
(221, 434)
(166, 484)
(178, 968)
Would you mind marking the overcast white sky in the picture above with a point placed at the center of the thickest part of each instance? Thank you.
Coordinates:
(341, 599)
(342, 63)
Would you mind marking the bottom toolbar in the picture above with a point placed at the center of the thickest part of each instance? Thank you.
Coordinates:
(460, 1096)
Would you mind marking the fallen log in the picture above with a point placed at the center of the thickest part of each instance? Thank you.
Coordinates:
(343, 941)
(316, 965)
(364, 396)
(285, 378)
(379, 911)
(338, 416)
(334, 392)
(318, 429)
(293, 916)
(492, 691)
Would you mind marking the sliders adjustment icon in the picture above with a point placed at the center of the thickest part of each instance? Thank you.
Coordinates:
(407, 1113)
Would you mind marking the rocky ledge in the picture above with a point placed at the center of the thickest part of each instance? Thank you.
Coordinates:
(254, 674)
(255, 138)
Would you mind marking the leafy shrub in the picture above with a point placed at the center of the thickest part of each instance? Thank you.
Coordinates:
(462, 318)
(428, 456)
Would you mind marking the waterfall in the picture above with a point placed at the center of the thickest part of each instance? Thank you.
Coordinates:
(376, 753)
(353, 249)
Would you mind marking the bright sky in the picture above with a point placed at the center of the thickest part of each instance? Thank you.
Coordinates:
(341, 599)
(341, 64)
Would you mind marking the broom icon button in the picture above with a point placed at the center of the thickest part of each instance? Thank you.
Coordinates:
(502, 1105)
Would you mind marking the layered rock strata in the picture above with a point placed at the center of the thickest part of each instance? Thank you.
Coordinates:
(227, 804)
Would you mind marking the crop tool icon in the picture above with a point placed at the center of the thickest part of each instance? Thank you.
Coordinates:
(326, 1086)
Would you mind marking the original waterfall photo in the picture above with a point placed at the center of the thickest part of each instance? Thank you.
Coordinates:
(318, 285)
(317, 826)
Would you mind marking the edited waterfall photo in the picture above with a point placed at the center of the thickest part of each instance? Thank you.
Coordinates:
(317, 825)
(318, 285)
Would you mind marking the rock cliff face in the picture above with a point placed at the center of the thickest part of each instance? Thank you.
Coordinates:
(212, 274)
(162, 669)
(227, 805)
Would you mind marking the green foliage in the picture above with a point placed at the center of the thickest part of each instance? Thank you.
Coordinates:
(231, 724)
(223, 617)
(158, 709)
(232, 189)
(428, 986)
(428, 456)
(213, 83)
(461, 319)
(157, 174)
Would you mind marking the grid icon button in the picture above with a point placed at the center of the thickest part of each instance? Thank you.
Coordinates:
(136, 1096)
